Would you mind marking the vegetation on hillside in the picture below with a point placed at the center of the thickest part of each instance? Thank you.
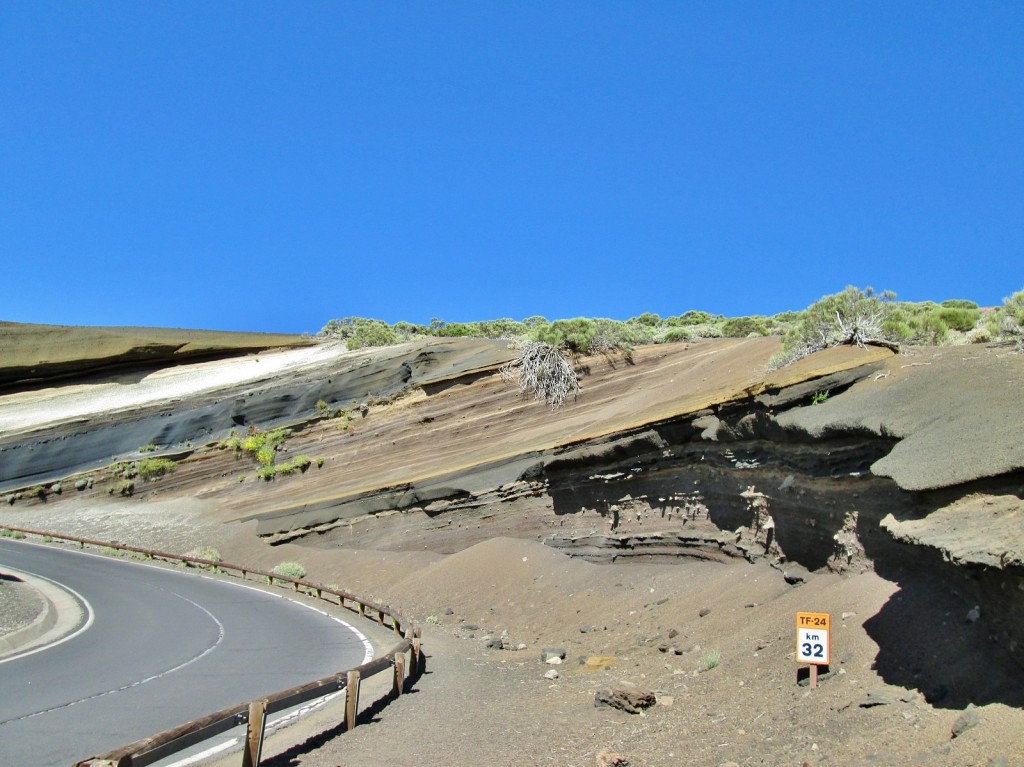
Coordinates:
(887, 320)
(547, 366)
(1008, 320)
(263, 446)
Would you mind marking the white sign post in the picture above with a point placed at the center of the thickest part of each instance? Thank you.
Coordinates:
(812, 642)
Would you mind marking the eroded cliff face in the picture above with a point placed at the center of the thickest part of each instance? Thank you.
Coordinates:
(741, 480)
(48, 433)
(34, 355)
(852, 459)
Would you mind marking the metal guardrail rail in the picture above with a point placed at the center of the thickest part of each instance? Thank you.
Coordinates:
(253, 714)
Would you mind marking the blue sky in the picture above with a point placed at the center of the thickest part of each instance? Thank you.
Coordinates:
(270, 166)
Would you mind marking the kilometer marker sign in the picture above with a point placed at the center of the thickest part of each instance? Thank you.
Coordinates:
(812, 638)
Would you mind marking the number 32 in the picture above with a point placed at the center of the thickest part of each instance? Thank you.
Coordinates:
(812, 650)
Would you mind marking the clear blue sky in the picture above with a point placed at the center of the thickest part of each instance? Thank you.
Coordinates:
(270, 166)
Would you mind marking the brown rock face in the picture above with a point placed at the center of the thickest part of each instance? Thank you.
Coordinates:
(689, 453)
(627, 699)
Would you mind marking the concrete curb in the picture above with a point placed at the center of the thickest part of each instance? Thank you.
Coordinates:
(60, 616)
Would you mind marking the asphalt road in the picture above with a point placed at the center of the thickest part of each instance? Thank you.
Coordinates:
(155, 648)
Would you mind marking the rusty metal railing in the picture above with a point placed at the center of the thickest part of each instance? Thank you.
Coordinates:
(254, 713)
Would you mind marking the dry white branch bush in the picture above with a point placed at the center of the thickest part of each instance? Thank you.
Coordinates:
(543, 370)
(852, 317)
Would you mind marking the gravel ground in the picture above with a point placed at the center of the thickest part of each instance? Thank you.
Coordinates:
(20, 604)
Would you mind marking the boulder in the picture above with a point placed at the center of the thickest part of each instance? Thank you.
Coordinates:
(630, 700)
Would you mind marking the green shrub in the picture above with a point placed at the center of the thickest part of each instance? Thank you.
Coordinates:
(265, 456)
(583, 336)
(741, 327)
(148, 448)
(649, 319)
(691, 318)
(301, 462)
(231, 441)
(958, 303)
(503, 328)
(277, 437)
(960, 318)
(575, 336)
(208, 553)
(853, 316)
(1009, 319)
(458, 330)
(38, 492)
(980, 335)
(614, 337)
(930, 329)
(674, 335)
(787, 318)
(262, 446)
(126, 488)
(358, 332)
(711, 660)
(406, 331)
(290, 570)
(897, 328)
(151, 468)
(124, 469)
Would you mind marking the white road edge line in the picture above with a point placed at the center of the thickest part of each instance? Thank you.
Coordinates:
(271, 726)
(89, 616)
(367, 645)
(204, 755)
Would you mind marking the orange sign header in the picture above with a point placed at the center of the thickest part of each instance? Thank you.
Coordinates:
(818, 621)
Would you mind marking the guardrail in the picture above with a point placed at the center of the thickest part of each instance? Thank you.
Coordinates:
(254, 713)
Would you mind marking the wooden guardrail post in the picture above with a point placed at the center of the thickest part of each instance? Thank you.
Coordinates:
(413, 651)
(398, 686)
(254, 733)
(417, 652)
(406, 671)
(351, 699)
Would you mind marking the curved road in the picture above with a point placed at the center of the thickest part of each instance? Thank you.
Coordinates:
(155, 648)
